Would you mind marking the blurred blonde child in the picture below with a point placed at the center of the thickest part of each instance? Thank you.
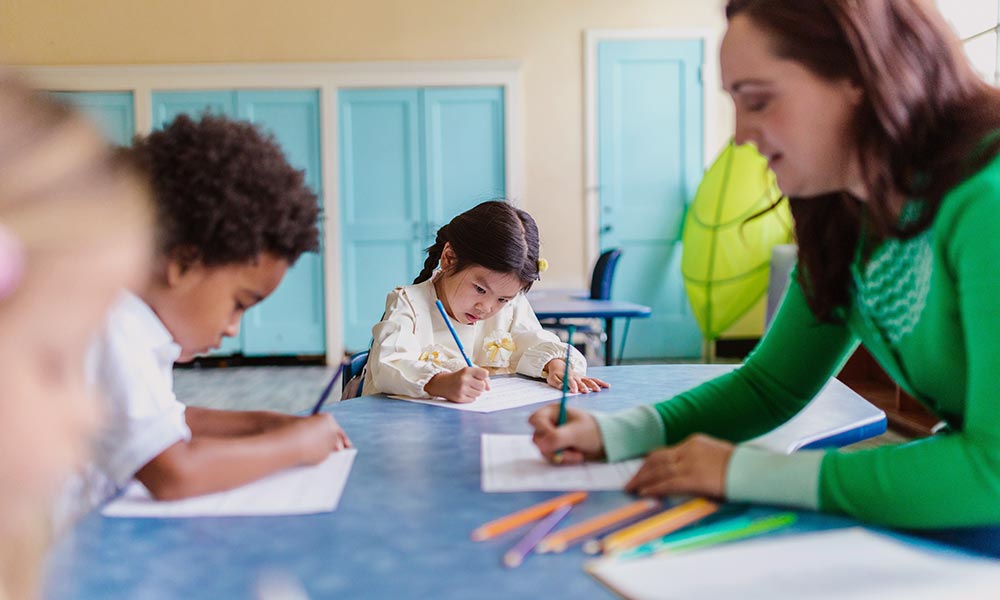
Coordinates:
(74, 229)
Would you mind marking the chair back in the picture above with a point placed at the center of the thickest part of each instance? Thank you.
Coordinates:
(352, 375)
(604, 272)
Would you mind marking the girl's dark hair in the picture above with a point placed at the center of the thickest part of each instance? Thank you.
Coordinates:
(921, 128)
(494, 235)
(225, 192)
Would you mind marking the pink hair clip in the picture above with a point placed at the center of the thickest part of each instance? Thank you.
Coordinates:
(11, 262)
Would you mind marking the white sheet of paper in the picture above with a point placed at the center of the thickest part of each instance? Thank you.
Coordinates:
(511, 463)
(845, 563)
(505, 392)
(298, 491)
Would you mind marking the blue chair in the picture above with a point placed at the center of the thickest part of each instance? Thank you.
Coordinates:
(603, 274)
(601, 279)
(353, 377)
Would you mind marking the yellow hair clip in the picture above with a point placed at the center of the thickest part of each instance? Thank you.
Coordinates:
(543, 265)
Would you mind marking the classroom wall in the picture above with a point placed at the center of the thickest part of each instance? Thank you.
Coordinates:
(547, 35)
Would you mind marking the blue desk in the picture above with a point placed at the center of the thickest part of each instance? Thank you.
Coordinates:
(564, 305)
(402, 528)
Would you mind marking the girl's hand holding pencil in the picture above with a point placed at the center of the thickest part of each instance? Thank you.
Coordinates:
(578, 440)
(464, 385)
(318, 436)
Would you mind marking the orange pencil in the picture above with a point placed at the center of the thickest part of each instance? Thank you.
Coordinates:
(659, 525)
(560, 540)
(532, 513)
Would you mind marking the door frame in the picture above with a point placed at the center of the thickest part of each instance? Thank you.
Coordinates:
(328, 78)
(709, 72)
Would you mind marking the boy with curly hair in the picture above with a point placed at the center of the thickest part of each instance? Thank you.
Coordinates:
(232, 216)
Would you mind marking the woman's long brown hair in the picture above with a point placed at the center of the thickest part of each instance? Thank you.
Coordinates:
(919, 131)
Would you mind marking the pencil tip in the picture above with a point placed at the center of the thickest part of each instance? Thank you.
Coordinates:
(511, 560)
(592, 547)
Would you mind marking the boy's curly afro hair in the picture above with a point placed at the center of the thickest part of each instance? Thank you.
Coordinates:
(225, 193)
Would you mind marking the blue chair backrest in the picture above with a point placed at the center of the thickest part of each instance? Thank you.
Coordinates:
(604, 272)
(354, 368)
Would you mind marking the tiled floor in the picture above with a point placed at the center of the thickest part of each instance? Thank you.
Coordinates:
(283, 389)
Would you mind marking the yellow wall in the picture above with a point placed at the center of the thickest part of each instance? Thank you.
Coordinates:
(547, 35)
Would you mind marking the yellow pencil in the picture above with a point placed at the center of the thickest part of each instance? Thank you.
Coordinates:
(560, 540)
(658, 525)
(527, 515)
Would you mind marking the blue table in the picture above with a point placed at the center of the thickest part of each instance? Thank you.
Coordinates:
(568, 305)
(401, 530)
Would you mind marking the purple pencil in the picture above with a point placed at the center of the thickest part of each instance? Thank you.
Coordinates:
(516, 555)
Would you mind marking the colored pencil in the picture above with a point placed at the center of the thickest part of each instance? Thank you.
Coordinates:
(326, 391)
(565, 387)
(516, 555)
(559, 541)
(657, 525)
(527, 515)
(454, 334)
(709, 535)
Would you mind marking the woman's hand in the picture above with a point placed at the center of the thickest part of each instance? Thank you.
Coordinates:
(577, 383)
(577, 440)
(695, 466)
(462, 386)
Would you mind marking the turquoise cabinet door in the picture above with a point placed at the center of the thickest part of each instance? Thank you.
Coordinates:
(167, 105)
(464, 149)
(291, 320)
(649, 165)
(112, 112)
(410, 160)
(381, 190)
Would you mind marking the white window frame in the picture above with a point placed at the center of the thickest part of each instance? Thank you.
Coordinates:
(328, 78)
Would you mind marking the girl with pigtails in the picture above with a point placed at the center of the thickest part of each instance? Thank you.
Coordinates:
(480, 265)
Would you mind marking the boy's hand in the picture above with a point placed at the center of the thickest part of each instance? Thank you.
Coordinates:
(319, 435)
(464, 385)
(579, 439)
(577, 383)
(695, 466)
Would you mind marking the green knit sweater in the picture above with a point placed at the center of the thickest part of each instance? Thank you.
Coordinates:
(928, 310)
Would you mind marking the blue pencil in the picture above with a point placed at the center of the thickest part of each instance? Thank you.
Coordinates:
(328, 389)
(458, 342)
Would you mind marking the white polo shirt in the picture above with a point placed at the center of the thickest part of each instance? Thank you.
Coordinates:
(130, 365)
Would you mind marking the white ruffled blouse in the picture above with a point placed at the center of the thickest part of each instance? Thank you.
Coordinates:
(412, 343)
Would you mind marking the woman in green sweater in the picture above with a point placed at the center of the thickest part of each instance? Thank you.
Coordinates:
(885, 142)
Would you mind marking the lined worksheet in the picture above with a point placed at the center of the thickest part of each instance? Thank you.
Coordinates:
(839, 564)
(298, 491)
(512, 463)
(506, 391)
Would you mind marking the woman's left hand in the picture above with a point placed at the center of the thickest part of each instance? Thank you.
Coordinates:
(577, 383)
(695, 466)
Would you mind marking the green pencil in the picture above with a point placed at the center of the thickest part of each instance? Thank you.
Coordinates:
(709, 535)
(565, 385)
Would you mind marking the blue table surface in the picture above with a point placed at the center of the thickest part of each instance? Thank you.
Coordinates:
(402, 527)
(565, 306)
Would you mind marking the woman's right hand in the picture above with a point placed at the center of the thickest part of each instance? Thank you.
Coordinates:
(462, 386)
(575, 441)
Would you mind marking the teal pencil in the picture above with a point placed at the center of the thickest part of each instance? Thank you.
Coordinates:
(709, 535)
(565, 385)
